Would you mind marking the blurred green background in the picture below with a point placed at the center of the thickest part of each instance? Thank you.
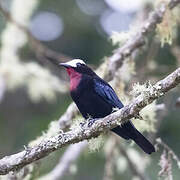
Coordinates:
(82, 29)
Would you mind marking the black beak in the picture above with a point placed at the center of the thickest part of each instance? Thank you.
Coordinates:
(64, 65)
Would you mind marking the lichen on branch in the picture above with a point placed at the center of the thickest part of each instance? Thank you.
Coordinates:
(29, 155)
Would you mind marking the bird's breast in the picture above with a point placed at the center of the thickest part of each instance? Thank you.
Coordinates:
(74, 81)
(89, 103)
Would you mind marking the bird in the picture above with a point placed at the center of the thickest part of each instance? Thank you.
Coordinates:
(95, 98)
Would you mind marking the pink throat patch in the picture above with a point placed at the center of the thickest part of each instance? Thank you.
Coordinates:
(75, 78)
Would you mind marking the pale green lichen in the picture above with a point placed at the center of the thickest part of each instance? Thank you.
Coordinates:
(146, 90)
(149, 119)
(124, 75)
(141, 89)
(127, 70)
(53, 130)
(166, 30)
(149, 112)
(40, 83)
(103, 68)
(95, 144)
(119, 38)
(76, 122)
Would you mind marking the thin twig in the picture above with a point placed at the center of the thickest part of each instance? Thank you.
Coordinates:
(29, 155)
(170, 151)
(110, 159)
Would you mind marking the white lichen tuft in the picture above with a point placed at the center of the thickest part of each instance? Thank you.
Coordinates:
(23, 11)
(141, 89)
(166, 30)
(102, 69)
(149, 119)
(53, 130)
(127, 70)
(146, 90)
(76, 122)
(148, 113)
(95, 144)
(40, 83)
(119, 38)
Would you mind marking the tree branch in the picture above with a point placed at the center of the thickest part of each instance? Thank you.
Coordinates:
(170, 151)
(138, 40)
(29, 155)
(110, 159)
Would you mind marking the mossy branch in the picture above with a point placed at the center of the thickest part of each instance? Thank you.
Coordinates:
(138, 40)
(17, 161)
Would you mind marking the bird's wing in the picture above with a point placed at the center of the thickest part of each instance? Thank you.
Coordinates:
(104, 90)
(126, 130)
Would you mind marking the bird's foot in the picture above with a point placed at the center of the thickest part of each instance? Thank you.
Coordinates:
(138, 116)
(91, 122)
(88, 124)
(82, 124)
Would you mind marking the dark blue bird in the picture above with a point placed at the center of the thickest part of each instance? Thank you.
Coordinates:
(95, 98)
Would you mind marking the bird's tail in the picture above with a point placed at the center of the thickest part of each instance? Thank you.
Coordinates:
(141, 141)
(128, 131)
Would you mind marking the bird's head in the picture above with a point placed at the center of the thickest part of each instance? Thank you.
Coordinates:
(76, 68)
(73, 67)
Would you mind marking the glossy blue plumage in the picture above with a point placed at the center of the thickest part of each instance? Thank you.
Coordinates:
(95, 98)
(107, 93)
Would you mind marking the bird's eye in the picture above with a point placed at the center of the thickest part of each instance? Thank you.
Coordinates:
(79, 64)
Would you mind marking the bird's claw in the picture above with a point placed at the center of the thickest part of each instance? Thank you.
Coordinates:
(138, 116)
(91, 122)
(88, 124)
(82, 124)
